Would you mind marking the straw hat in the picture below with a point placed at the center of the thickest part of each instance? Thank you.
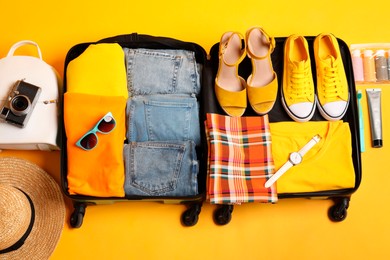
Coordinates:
(32, 209)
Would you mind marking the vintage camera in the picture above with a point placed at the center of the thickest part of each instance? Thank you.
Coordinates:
(20, 103)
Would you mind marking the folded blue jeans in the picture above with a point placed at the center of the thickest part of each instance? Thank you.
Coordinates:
(163, 118)
(165, 71)
(161, 169)
(163, 125)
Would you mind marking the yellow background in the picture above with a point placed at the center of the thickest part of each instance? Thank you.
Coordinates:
(291, 229)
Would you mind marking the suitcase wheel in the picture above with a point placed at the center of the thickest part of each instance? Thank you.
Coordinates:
(190, 217)
(76, 219)
(338, 212)
(223, 215)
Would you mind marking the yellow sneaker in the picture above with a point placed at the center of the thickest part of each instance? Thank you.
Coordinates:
(262, 84)
(230, 88)
(332, 85)
(298, 96)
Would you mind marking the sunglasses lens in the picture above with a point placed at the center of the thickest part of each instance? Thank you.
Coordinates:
(107, 124)
(89, 141)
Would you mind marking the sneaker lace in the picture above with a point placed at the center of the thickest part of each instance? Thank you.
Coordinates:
(299, 82)
(331, 82)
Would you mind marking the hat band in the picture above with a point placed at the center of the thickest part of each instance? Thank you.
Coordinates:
(20, 242)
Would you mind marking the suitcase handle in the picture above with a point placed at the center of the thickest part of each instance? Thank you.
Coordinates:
(135, 40)
(144, 40)
(22, 43)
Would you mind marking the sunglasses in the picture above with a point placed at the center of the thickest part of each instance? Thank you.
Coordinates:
(105, 125)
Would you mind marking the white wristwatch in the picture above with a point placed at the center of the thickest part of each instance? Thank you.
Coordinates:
(294, 159)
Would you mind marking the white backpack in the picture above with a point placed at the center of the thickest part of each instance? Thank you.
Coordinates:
(29, 102)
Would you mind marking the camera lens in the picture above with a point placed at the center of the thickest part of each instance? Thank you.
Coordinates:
(20, 105)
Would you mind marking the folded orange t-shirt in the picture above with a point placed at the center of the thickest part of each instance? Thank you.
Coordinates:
(100, 171)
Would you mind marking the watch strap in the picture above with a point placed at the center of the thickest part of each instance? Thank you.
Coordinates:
(309, 145)
(287, 165)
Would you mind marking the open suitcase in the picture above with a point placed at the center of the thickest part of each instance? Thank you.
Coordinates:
(209, 104)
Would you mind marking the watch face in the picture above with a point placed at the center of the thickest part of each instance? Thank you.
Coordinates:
(295, 158)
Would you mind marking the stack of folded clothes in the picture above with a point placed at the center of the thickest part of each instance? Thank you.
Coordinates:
(163, 123)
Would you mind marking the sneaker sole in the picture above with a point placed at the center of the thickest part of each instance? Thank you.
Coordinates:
(328, 117)
(296, 118)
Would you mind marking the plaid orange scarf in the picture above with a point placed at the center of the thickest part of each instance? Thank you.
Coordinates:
(239, 159)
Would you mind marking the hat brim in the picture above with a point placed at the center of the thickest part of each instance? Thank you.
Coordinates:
(48, 203)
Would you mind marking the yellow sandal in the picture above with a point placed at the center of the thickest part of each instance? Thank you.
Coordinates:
(230, 88)
(262, 84)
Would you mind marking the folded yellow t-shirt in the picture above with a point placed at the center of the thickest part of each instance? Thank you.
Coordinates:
(327, 166)
(99, 70)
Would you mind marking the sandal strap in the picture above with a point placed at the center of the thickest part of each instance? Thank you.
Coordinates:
(267, 93)
(228, 98)
(271, 41)
(224, 45)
